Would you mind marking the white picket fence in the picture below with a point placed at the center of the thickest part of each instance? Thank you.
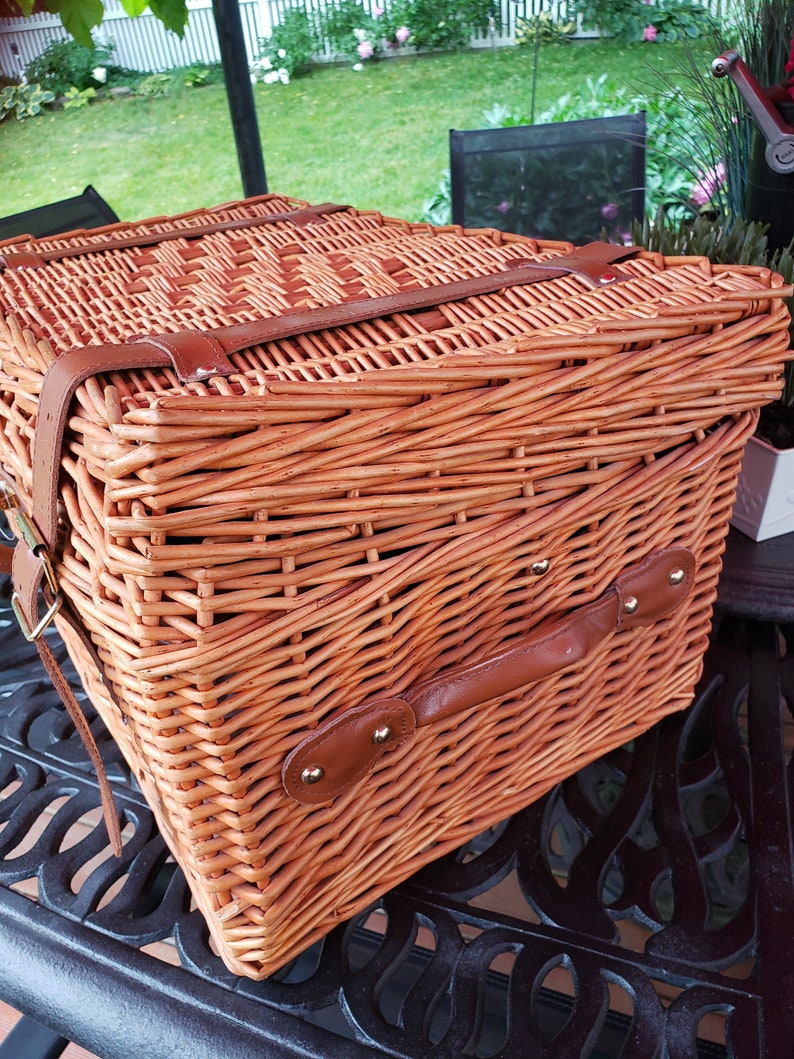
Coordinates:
(143, 44)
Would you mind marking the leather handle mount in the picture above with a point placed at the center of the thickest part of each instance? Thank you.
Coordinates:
(342, 751)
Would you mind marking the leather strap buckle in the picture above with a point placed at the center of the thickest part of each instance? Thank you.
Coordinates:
(32, 538)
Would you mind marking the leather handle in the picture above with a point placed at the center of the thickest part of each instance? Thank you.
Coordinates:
(340, 752)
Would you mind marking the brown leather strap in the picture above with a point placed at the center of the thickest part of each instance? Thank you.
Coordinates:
(341, 752)
(75, 712)
(38, 259)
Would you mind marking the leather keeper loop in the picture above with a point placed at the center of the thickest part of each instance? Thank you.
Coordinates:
(344, 750)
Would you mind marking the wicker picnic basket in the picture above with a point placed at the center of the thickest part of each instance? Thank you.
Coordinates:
(362, 534)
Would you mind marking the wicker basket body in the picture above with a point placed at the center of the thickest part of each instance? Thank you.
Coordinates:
(361, 508)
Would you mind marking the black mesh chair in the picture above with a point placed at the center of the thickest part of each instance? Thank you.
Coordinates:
(565, 180)
(88, 210)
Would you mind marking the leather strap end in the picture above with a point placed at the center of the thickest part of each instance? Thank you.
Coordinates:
(195, 355)
(343, 751)
(21, 259)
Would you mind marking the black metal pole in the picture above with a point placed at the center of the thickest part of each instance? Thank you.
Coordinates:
(241, 96)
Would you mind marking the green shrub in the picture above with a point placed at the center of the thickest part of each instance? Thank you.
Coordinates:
(350, 30)
(623, 19)
(76, 98)
(441, 24)
(679, 20)
(154, 85)
(197, 75)
(65, 64)
(671, 20)
(24, 101)
(289, 47)
(543, 29)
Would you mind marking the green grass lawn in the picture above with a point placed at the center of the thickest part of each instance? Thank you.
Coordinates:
(373, 139)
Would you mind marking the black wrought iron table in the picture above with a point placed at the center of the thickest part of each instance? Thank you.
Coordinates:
(642, 908)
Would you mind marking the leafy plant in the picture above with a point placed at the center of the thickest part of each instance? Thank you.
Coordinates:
(442, 24)
(438, 209)
(195, 76)
(670, 20)
(543, 29)
(289, 47)
(76, 98)
(351, 30)
(623, 19)
(154, 85)
(761, 31)
(24, 101)
(596, 98)
(79, 17)
(676, 20)
(65, 64)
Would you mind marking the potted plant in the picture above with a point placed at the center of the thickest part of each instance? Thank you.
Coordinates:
(747, 217)
(765, 495)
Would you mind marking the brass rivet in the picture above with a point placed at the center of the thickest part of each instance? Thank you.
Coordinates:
(540, 568)
(631, 604)
(312, 774)
(206, 369)
(381, 735)
(677, 576)
(606, 277)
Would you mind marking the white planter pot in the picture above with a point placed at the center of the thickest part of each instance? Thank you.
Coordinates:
(764, 505)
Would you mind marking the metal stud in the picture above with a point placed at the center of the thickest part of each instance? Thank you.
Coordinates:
(630, 605)
(677, 576)
(206, 369)
(381, 735)
(540, 568)
(607, 277)
(312, 774)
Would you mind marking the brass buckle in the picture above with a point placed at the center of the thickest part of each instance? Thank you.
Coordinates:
(30, 535)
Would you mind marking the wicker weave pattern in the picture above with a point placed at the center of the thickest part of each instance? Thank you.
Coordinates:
(358, 509)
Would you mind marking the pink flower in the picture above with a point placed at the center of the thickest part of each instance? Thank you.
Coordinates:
(609, 211)
(703, 191)
(377, 12)
(365, 50)
(503, 206)
(402, 34)
(649, 33)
